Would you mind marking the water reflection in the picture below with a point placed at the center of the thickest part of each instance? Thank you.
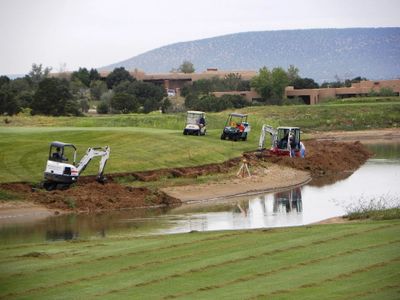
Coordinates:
(270, 210)
(287, 201)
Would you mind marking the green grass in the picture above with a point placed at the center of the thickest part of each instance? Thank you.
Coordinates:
(24, 151)
(385, 214)
(7, 196)
(343, 261)
(153, 141)
(381, 208)
(343, 114)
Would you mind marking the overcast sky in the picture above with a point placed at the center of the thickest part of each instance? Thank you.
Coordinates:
(94, 33)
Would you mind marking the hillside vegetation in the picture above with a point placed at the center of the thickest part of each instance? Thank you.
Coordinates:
(369, 52)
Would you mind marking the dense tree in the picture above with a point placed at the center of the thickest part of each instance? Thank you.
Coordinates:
(211, 103)
(8, 102)
(97, 88)
(38, 73)
(54, 98)
(94, 75)
(166, 105)
(146, 90)
(186, 67)
(279, 80)
(262, 83)
(102, 107)
(124, 103)
(117, 76)
(82, 75)
(305, 83)
(4, 80)
(292, 74)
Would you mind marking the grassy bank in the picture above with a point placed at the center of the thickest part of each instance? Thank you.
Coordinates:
(342, 261)
(24, 150)
(145, 142)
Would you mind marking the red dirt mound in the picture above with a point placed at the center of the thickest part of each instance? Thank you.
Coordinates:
(327, 161)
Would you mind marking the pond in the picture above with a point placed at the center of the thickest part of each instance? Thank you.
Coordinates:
(377, 179)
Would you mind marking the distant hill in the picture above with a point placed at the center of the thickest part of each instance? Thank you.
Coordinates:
(320, 54)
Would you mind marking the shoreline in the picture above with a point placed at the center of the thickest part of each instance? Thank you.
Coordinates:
(274, 175)
(270, 179)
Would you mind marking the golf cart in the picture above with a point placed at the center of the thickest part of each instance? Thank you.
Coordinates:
(236, 127)
(195, 123)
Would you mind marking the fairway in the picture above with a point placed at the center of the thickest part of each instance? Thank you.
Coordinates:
(24, 150)
(342, 261)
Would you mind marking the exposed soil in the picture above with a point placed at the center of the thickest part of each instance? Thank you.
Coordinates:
(326, 161)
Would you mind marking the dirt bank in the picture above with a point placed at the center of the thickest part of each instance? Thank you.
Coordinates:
(271, 178)
(326, 161)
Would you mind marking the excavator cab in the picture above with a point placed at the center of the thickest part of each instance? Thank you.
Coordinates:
(288, 137)
(285, 141)
(60, 152)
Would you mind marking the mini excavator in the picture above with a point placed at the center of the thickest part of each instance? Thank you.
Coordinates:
(283, 140)
(61, 174)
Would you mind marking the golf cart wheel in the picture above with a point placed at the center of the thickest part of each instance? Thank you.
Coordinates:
(185, 132)
(244, 138)
(223, 137)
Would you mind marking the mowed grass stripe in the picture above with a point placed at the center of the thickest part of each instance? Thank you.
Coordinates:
(154, 246)
(127, 268)
(289, 280)
(229, 262)
(312, 235)
(224, 276)
(334, 280)
(255, 275)
(193, 251)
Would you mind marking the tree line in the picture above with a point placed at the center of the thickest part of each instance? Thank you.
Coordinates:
(39, 93)
(119, 92)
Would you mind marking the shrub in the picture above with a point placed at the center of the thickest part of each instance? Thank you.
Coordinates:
(102, 108)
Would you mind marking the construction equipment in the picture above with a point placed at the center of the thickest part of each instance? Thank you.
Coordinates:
(285, 141)
(195, 123)
(236, 127)
(61, 174)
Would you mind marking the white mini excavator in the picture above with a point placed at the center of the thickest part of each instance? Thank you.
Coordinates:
(283, 140)
(60, 173)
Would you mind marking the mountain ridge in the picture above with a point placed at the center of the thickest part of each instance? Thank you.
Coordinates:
(321, 54)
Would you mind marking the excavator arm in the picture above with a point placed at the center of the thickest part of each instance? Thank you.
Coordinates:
(104, 153)
(264, 130)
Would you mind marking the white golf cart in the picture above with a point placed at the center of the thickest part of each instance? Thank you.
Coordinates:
(195, 123)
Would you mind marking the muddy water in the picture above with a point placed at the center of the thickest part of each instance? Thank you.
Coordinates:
(378, 178)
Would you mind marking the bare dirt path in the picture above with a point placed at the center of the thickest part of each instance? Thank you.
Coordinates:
(271, 178)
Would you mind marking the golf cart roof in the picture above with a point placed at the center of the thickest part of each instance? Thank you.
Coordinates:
(195, 112)
(61, 144)
(238, 115)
